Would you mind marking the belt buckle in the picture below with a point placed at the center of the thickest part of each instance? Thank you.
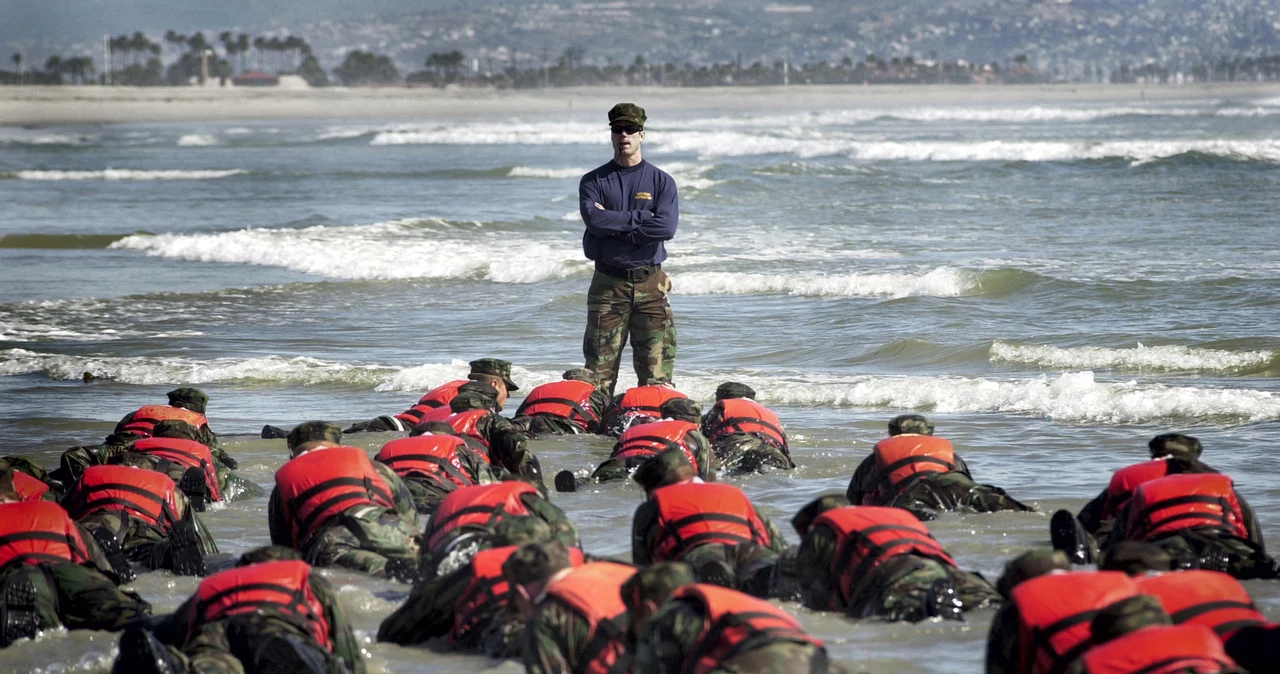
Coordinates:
(639, 274)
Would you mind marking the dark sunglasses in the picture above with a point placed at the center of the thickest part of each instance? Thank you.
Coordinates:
(629, 130)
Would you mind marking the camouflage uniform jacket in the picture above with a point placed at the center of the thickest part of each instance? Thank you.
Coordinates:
(556, 639)
(644, 532)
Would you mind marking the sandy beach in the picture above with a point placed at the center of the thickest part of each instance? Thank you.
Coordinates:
(72, 105)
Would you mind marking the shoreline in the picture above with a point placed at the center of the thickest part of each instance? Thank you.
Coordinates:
(71, 105)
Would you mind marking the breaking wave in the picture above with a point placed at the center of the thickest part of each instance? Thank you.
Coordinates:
(940, 282)
(197, 140)
(123, 174)
(1168, 358)
(532, 172)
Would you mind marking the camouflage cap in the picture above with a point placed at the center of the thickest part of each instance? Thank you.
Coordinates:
(627, 112)
(733, 389)
(579, 374)
(535, 562)
(682, 409)
(804, 519)
(1127, 615)
(269, 553)
(1175, 444)
(473, 400)
(1030, 565)
(314, 431)
(494, 367)
(520, 530)
(189, 398)
(1135, 558)
(656, 582)
(176, 428)
(669, 467)
(910, 423)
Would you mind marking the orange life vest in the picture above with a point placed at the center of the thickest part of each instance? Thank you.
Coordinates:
(1161, 649)
(902, 457)
(1055, 611)
(1184, 501)
(594, 591)
(649, 440)
(283, 586)
(565, 399)
(145, 419)
(187, 453)
(868, 536)
(430, 456)
(1126, 480)
(320, 484)
(144, 494)
(641, 401)
(28, 488)
(477, 506)
(1209, 598)
(735, 623)
(488, 590)
(742, 415)
(694, 514)
(436, 398)
(35, 532)
(464, 423)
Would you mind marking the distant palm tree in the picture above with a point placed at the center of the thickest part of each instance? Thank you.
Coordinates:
(260, 43)
(53, 65)
(17, 65)
(242, 46)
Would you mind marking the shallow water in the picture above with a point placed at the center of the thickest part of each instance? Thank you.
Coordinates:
(1052, 284)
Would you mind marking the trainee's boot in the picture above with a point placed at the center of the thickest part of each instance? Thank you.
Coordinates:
(194, 486)
(115, 554)
(1069, 536)
(270, 432)
(566, 481)
(142, 653)
(18, 618)
(185, 557)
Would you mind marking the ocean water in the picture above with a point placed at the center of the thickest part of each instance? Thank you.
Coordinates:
(1052, 284)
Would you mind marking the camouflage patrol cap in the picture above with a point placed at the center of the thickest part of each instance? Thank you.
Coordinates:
(682, 409)
(189, 398)
(1135, 558)
(910, 423)
(520, 530)
(627, 112)
(1127, 615)
(733, 389)
(1175, 444)
(669, 467)
(804, 519)
(579, 374)
(494, 367)
(314, 431)
(269, 553)
(1030, 565)
(535, 562)
(656, 582)
(176, 428)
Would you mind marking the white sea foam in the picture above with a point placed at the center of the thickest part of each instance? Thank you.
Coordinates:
(139, 370)
(24, 137)
(1158, 358)
(197, 140)
(128, 174)
(392, 250)
(494, 134)
(940, 282)
(556, 173)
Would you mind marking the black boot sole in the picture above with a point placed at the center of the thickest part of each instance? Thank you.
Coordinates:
(1065, 534)
(565, 481)
(196, 489)
(115, 554)
(142, 653)
(19, 613)
(184, 549)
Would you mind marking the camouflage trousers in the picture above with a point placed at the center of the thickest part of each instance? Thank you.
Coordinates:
(237, 645)
(952, 491)
(745, 567)
(141, 542)
(745, 453)
(546, 424)
(364, 538)
(915, 588)
(777, 658)
(1219, 551)
(427, 493)
(618, 308)
(77, 597)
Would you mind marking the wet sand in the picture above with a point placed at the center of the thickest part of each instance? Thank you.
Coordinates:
(77, 105)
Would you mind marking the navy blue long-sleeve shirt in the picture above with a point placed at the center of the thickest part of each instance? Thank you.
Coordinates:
(642, 211)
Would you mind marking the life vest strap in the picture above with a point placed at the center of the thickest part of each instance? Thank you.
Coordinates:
(1041, 637)
(1157, 666)
(875, 552)
(607, 633)
(666, 442)
(246, 587)
(125, 487)
(740, 620)
(909, 460)
(446, 466)
(1208, 607)
(39, 557)
(1145, 514)
(586, 415)
(493, 511)
(1193, 516)
(735, 423)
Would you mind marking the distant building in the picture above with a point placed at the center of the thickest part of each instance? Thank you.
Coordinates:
(254, 78)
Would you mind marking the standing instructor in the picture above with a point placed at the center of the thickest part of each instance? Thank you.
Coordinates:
(630, 208)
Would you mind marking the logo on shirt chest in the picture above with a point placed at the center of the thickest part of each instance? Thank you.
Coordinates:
(641, 196)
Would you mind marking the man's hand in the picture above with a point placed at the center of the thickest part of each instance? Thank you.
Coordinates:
(599, 206)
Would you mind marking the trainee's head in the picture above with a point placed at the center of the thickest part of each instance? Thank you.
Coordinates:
(495, 372)
(917, 424)
(310, 435)
(189, 398)
(1175, 445)
(626, 132)
(644, 592)
(668, 468)
(681, 409)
